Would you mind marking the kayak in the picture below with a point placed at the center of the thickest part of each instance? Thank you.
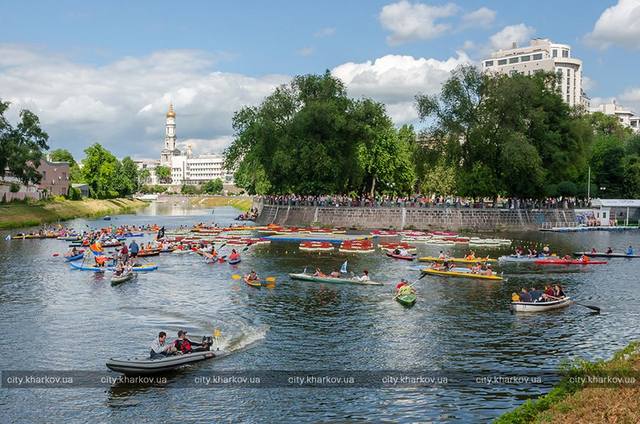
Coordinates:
(407, 299)
(119, 279)
(74, 257)
(141, 268)
(137, 366)
(234, 261)
(332, 280)
(606, 255)
(256, 283)
(515, 258)
(455, 260)
(397, 256)
(540, 306)
(462, 274)
(143, 253)
(568, 262)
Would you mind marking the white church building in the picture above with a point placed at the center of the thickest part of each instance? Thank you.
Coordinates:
(185, 167)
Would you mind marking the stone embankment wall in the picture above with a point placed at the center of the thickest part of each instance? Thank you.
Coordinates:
(417, 218)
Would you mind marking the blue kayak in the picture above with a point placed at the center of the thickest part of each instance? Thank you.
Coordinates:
(133, 235)
(234, 261)
(143, 268)
(74, 258)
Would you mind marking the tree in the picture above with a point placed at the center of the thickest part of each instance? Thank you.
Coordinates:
(143, 176)
(608, 125)
(189, 189)
(213, 186)
(102, 172)
(607, 166)
(163, 173)
(62, 155)
(130, 175)
(439, 180)
(22, 146)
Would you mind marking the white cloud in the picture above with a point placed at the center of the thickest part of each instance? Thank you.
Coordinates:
(305, 51)
(122, 104)
(468, 45)
(395, 80)
(504, 39)
(588, 83)
(417, 21)
(631, 99)
(618, 25)
(325, 32)
(482, 17)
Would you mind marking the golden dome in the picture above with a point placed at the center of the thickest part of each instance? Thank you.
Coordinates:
(171, 113)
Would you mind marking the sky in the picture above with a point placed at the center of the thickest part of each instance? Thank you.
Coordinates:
(106, 71)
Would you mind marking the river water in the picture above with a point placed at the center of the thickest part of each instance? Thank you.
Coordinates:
(55, 318)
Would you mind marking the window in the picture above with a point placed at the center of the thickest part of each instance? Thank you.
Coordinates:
(568, 99)
(502, 62)
(514, 60)
(555, 53)
(537, 56)
(525, 58)
(565, 53)
(488, 63)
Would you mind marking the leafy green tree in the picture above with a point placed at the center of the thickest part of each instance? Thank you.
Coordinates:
(102, 172)
(608, 125)
(143, 176)
(62, 155)
(131, 181)
(163, 173)
(189, 189)
(607, 166)
(213, 186)
(22, 146)
(440, 180)
(632, 177)
(523, 176)
(567, 189)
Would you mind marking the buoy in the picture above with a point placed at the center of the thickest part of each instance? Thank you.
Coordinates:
(56, 254)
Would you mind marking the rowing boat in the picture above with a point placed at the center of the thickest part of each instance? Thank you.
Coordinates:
(540, 306)
(253, 283)
(119, 279)
(233, 261)
(455, 260)
(606, 255)
(74, 257)
(398, 256)
(141, 268)
(519, 259)
(568, 262)
(408, 299)
(462, 274)
(332, 280)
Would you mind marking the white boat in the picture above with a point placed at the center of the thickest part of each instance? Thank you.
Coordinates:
(540, 306)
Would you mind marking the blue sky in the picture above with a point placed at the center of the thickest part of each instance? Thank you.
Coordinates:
(105, 71)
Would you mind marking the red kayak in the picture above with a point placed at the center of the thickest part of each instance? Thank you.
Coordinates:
(404, 257)
(568, 262)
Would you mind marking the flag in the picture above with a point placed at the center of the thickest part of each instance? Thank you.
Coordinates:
(343, 270)
(160, 233)
(8, 237)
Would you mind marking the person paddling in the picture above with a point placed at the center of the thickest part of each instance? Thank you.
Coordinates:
(234, 255)
(630, 251)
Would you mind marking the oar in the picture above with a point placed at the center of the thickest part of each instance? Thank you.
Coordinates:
(268, 279)
(411, 285)
(593, 308)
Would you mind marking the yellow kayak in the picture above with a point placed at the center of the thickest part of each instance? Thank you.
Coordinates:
(456, 260)
(461, 274)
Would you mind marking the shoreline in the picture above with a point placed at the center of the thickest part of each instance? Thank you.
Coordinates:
(18, 215)
(574, 402)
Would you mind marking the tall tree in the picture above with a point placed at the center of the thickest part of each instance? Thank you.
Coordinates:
(62, 155)
(163, 173)
(102, 172)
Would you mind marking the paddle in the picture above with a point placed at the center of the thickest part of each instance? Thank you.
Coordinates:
(593, 308)
(268, 279)
(410, 285)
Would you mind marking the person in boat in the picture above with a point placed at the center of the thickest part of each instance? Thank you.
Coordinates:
(471, 256)
(488, 270)
(364, 276)
(319, 273)
(184, 345)
(442, 255)
(524, 295)
(234, 255)
(545, 250)
(134, 248)
(476, 268)
(403, 288)
(124, 253)
(584, 258)
(629, 251)
(253, 276)
(609, 251)
(558, 292)
(515, 297)
(535, 294)
(566, 257)
(101, 261)
(159, 349)
(72, 252)
(547, 295)
(119, 269)
(593, 250)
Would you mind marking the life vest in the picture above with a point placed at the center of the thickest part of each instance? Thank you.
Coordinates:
(183, 346)
(234, 256)
(515, 297)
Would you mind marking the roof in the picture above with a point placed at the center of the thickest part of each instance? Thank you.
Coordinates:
(616, 203)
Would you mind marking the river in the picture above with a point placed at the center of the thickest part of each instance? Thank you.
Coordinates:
(55, 318)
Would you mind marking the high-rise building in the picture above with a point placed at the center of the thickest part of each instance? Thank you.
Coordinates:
(543, 55)
(626, 116)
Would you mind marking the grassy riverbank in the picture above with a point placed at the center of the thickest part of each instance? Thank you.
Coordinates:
(238, 202)
(15, 215)
(573, 402)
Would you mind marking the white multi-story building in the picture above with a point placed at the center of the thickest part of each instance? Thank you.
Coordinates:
(150, 165)
(543, 55)
(186, 168)
(626, 117)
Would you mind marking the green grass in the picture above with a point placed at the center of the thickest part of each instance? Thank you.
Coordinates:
(242, 203)
(28, 214)
(545, 408)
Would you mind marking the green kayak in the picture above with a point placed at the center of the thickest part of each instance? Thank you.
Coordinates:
(407, 299)
(332, 280)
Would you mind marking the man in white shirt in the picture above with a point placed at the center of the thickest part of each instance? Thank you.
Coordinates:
(159, 349)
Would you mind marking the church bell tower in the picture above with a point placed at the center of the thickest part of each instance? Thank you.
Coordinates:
(169, 149)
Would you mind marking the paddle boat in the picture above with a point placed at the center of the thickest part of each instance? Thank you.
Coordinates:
(606, 255)
(119, 279)
(540, 306)
(465, 274)
(455, 260)
(408, 299)
(333, 280)
(559, 261)
(252, 283)
(399, 256)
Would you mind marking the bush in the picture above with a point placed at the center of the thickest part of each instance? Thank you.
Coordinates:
(213, 186)
(75, 194)
(190, 189)
(567, 189)
(15, 187)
